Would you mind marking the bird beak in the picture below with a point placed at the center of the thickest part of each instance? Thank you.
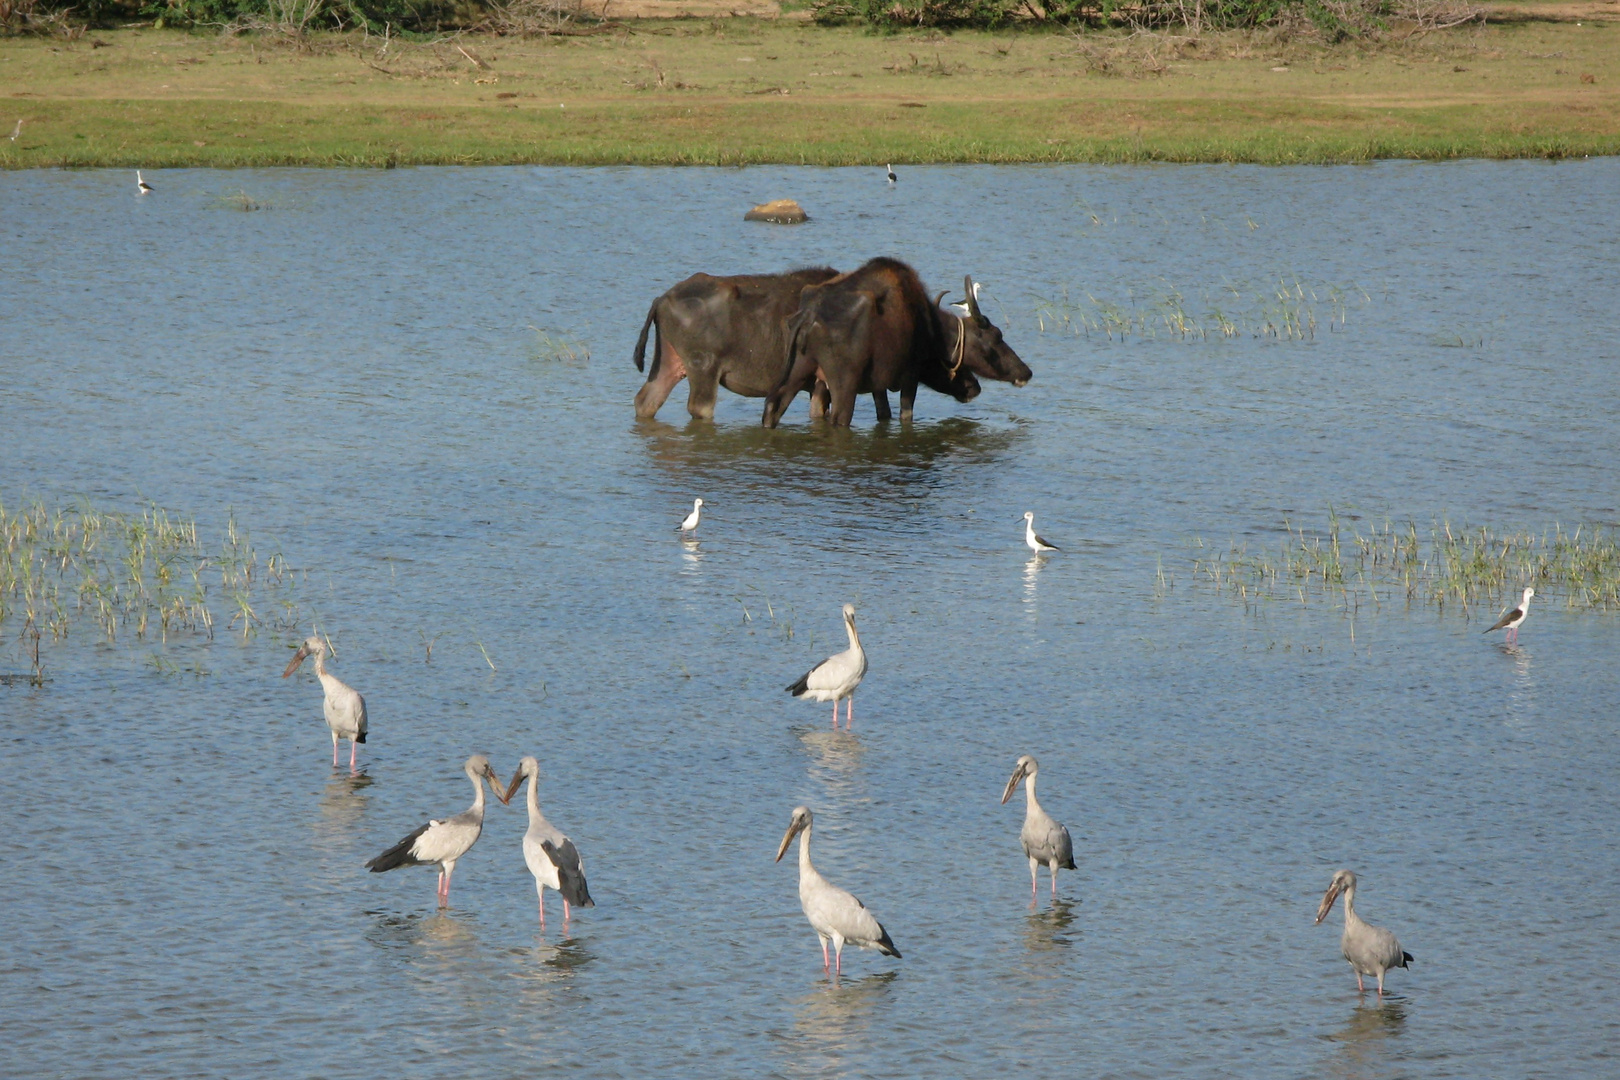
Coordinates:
(511, 789)
(1012, 785)
(298, 658)
(1327, 903)
(793, 830)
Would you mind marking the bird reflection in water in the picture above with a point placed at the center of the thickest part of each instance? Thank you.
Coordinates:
(839, 1012)
(342, 804)
(691, 556)
(547, 968)
(444, 945)
(1031, 570)
(1362, 1041)
(1521, 698)
(835, 758)
(1047, 930)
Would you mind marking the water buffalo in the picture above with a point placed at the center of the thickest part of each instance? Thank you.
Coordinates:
(876, 329)
(719, 331)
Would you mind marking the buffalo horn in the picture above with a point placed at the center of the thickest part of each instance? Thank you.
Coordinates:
(972, 301)
(938, 298)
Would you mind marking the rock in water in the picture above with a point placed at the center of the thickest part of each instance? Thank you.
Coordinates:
(778, 211)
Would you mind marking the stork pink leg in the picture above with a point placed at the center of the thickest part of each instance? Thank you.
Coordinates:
(835, 714)
(542, 913)
(334, 751)
(565, 912)
(353, 747)
(849, 713)
(1361, 987)
(826, 961)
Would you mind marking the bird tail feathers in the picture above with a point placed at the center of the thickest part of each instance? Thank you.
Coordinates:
(398, 855)
(885, 946)
(1406, 958)
(360, 738)
(802, 687)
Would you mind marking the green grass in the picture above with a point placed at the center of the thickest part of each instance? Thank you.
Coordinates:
(747, 91)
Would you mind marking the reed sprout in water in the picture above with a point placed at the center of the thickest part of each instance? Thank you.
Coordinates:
(1445, 564)
(146, 574)
(1286, 309)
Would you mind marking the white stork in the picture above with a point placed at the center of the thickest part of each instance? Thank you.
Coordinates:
(1371, 950)
(552, 857)
(835, 678)
(345, 708)
(1046, 842)
(441, 842)
(832, 912)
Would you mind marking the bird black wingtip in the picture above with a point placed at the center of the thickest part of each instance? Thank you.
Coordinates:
(360, 738)
(886, 946)
(801, 687)
(1407, 958)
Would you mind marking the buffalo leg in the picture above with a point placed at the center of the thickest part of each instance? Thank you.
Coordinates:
(702, 389)
(668, 371)
(819, 397)
(798, 379)
(842, 410)
(880, 401)
(908, 398)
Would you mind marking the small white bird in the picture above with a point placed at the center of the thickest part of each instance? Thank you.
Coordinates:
(441, 842)
(345, 708)
(16, 131)
(833, 913)
(1036, 544)
(1046, 841)
(892, 177)
(690, 522)
(551, 856)
(141, 186)
(1371, 950)
(1513, 619)
(835, 678)
(966, 308)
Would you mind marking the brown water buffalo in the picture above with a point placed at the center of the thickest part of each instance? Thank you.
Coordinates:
(720, 331)
(876, 329)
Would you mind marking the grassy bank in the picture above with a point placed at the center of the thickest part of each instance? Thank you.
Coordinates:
(746, 90)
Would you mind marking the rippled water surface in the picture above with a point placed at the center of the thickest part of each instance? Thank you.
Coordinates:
(355, 370)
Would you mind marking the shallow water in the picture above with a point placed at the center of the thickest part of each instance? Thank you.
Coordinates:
(353, 370)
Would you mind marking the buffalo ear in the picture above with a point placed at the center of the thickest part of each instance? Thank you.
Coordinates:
(972, 301)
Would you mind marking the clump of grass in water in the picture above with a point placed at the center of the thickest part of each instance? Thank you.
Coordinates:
(147, 573)
(1464, 565)
(1286, 310)
(240, 201)
(561, 347)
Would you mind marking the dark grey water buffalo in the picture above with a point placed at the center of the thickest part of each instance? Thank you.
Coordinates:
(876, 329)
(720, 331)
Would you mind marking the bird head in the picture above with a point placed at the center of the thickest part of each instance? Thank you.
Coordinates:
(697, 502)
(1029, 516)
(1023, 767)
(800, 822)
(1343, 881)
(1528, 593)
(849, 612)
(478, 767)
(527, 767)
(312, 646)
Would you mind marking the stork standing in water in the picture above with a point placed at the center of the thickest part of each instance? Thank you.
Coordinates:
(690, 522)
(345, 708)
(1045, 840)
(1512, 620)
(1036, 543)
(835, 678)
(441, 842)
(1371, 950)
(552, 857)
(832, 912)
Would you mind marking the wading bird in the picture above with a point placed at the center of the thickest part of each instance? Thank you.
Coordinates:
(835, 678)
(552, 857)
(141, 186)
(441, 843)
(16, 131)
(1036, 543)
(892, 177)
(690, 522)
(1371, 950)
(1513, 619)
(1045, 841)
(832, 912)
(345, 708)
(965, 308)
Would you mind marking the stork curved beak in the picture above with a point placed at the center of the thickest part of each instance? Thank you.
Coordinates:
(793, 830)
(1012, 785)
(1327, 903)
(511, 789)
(298, 658)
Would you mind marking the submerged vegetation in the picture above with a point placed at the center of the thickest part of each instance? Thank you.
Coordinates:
(1286, 309)
(146, 576)
(1446, 564)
